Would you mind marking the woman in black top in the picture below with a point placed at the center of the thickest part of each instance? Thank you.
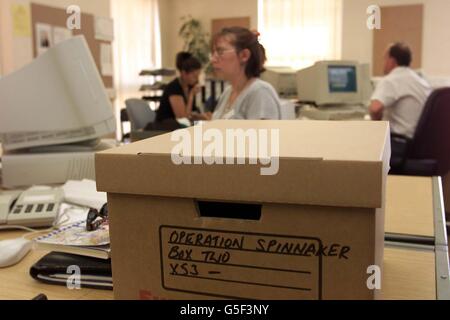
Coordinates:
(178, 100)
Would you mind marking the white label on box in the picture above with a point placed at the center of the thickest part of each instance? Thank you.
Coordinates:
(240, 265)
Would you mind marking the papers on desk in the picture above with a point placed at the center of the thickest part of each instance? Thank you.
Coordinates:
(84, 193)
(76, 235)
(71, 235)
(70, 214)
(74, 239)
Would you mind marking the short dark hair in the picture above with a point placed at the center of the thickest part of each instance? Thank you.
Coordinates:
(401, 53)
(186, 62)
(243, 38)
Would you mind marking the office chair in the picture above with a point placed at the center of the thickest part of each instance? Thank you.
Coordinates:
(124, 118)
(139, 113)
(428, 153)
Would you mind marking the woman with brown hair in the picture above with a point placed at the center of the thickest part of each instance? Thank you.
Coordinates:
(238, 57)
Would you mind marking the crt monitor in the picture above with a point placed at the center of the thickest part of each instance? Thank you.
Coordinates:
(332, 83)
(58, 98)
(283, 79)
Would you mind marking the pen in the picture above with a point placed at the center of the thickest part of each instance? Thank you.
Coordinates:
(40, 296)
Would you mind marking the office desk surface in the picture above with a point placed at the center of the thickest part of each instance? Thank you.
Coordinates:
(409, 206)
(408, 274)
(16, 283)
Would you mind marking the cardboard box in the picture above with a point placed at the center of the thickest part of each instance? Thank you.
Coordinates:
(208, 231)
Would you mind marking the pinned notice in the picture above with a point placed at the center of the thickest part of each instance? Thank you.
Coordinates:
(44, 37)
(61, 34)
(106, 59)
(104, 29)
(21, 20)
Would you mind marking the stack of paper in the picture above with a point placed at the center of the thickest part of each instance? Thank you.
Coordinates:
(75, 239)
(84, 193)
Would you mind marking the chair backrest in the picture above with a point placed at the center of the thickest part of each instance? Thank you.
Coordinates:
(139, 113)
(432, 137)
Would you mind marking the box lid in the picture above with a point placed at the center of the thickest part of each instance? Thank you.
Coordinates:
(335, 163)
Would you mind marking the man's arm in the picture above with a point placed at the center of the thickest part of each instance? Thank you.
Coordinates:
(376, 110)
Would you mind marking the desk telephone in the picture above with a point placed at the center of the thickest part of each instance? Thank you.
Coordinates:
(30, 208)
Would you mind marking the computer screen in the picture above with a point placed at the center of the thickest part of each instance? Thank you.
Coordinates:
(342, 79)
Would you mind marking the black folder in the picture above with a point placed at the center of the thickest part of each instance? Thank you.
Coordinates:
(53, 268)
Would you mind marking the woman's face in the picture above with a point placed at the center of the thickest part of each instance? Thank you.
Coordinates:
(226, 61)
(190, 78)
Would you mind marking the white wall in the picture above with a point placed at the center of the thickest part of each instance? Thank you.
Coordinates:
(358, 40)
(166, 27)
(6, 50)
(18, 51)
(171, 12)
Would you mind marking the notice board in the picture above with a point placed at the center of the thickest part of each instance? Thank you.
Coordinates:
(57, 17)
(219, 24)
(398, 23)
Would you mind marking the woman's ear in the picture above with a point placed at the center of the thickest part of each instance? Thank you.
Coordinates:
(244, 55)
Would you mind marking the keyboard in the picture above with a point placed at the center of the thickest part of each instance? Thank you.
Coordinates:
(345, 112)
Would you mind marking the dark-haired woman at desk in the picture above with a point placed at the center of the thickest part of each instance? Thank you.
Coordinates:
(178, 100)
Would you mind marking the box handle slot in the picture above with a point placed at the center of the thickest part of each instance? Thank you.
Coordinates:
(228, 210)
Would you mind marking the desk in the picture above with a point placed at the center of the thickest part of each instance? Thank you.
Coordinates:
(16, 283)
(415, 218)
(415, 210)
(410, 272)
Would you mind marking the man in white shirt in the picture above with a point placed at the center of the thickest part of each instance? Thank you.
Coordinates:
(401, 95)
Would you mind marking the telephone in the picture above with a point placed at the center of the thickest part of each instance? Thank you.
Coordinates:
(30, 208)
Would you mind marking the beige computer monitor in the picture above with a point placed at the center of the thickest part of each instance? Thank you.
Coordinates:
(283, 79)
(58, 98)
(334, 83)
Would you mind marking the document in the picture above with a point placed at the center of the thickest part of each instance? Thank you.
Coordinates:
(61, 34)
(84, 193)
(104, 29)
(21, 20)
(106, 59)
(44, 37)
